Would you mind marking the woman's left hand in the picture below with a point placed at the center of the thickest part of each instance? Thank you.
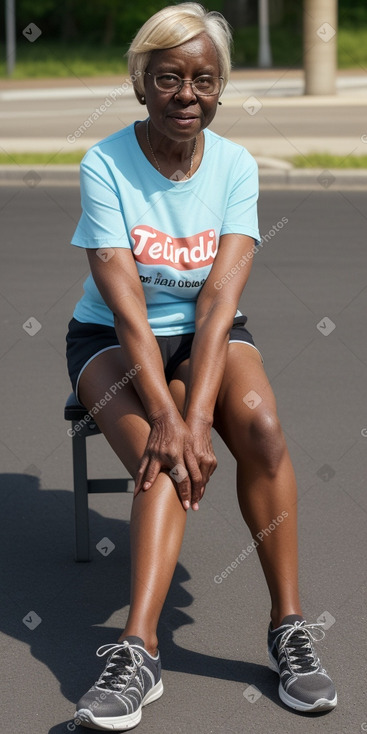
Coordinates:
(203, 449)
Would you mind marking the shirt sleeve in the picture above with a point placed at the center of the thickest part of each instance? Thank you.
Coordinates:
(102, 221)
(241, 211)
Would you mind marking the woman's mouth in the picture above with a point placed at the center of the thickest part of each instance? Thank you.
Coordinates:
(183, 121)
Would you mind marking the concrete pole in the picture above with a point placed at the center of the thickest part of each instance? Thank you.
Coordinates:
(320, 25)
(10, 35)
(264, 59)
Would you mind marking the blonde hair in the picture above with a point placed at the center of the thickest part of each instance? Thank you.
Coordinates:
(173, 26)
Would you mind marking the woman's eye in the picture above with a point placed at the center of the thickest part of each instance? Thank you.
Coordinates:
(203, 81)
(168, 78)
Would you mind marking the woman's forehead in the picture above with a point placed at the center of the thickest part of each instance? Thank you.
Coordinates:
(197, 51)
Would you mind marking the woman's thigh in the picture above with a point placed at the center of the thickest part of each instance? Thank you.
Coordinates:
(119, 412)
(245, 411)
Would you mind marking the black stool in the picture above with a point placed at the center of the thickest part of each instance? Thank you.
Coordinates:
(82, 426)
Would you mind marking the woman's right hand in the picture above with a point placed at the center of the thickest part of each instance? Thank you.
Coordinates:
(170, 447)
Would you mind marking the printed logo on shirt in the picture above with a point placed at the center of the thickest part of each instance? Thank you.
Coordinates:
(152, 247)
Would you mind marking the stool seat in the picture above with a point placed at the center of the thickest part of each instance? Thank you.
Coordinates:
(73, 410)
(83, 426)
(78, 414)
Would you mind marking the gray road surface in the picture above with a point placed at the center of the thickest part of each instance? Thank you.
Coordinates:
(306, 302)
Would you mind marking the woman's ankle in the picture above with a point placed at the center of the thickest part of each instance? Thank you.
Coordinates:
(150, 640)
(278, 616)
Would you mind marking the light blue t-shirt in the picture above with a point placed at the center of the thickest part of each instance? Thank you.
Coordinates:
(172, 227)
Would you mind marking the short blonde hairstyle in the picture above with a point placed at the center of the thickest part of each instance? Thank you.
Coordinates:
(173, 26)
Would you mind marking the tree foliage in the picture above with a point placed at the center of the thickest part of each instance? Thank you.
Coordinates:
(116, 21)
(109, 24)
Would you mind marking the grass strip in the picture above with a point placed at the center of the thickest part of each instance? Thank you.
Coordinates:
(44, 59)
(44, 159)
(313, 160)
(326, 160)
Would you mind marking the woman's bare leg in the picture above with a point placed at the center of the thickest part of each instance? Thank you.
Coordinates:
(157, 518)
(266, 484)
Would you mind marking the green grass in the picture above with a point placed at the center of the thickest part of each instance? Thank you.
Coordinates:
(314, 160)
(326, 160)
(39, 59)
(42, 59)
(352, 48)
(32, 159)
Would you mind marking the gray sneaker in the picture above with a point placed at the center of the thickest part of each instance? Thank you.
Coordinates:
(130, 680)
(304, 684)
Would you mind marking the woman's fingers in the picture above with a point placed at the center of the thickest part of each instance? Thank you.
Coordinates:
(140, 474)
(181, 478)
(151, 473)
(147, 473)
(204, 454)
(195, 479)
(208, 465)
(188, 461)
(191, 477)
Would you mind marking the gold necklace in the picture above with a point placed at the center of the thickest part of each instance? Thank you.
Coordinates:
(153, 155)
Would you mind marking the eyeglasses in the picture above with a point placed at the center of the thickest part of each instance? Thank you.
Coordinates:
(203, 86)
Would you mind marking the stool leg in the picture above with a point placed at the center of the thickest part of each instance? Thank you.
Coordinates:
(80, 498)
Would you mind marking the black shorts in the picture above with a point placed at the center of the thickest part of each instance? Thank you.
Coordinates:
(85, 341)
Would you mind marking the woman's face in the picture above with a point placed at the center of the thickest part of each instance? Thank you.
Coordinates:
(182, 116)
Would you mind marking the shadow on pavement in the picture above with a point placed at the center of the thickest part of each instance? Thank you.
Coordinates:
(61, 609)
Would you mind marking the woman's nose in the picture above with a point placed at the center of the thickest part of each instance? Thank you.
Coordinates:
(186, 92)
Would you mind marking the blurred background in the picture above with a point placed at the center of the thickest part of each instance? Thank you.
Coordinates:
(90, 38)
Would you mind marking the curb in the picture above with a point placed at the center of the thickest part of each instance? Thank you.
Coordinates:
(269, 176)
(314, 177)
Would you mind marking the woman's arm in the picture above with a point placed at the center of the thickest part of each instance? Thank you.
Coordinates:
(118, 282)
(170, 442)
(216, 307)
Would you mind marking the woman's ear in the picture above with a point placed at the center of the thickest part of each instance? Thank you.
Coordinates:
(140, 97)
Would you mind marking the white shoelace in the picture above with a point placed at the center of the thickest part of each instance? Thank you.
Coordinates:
(115, 677)
(306, 635)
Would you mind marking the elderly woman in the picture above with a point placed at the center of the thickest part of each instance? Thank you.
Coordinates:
(169, 225)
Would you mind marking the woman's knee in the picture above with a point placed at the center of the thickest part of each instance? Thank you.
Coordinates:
(266, 440)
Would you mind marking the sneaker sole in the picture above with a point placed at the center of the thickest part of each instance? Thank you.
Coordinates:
(322, 704)
(118, 723)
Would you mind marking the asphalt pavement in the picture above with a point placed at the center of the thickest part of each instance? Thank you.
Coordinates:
(306, 302)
